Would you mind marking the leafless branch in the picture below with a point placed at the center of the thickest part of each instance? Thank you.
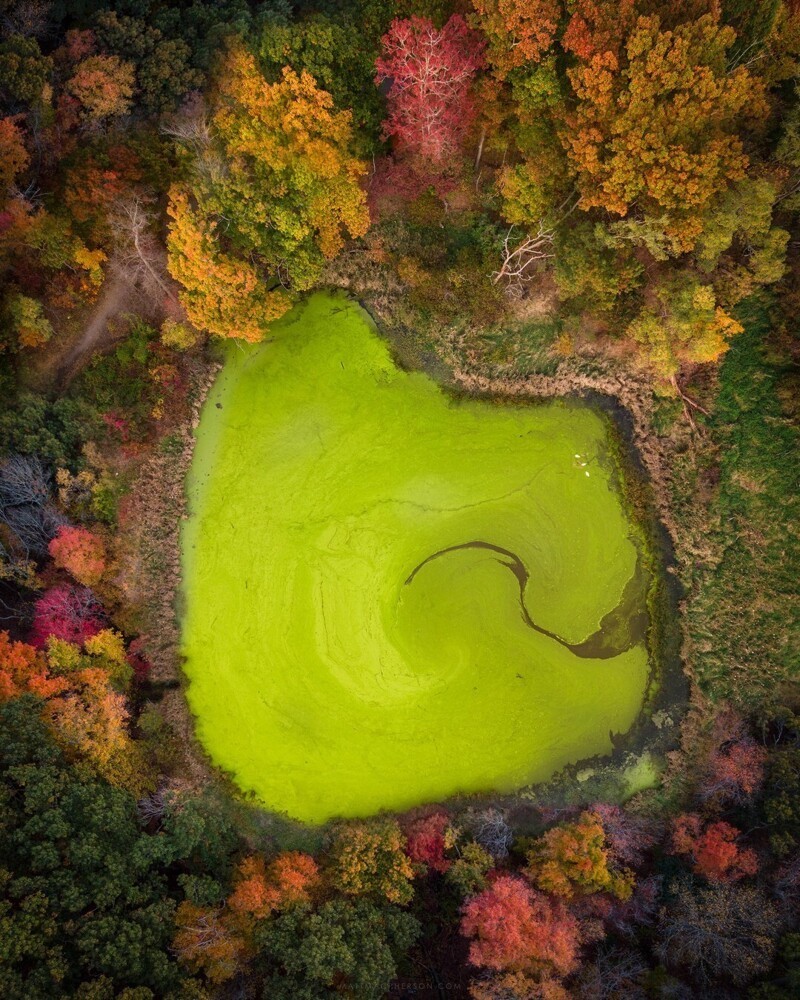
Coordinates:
(138, 254)
(190, 125)
(25, 507)
(493, 832)
(521, 257)
(151, 809)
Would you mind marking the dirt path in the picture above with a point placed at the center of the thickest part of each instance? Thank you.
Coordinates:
(117, 295)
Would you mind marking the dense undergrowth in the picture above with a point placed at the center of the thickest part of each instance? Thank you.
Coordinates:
(744, 616)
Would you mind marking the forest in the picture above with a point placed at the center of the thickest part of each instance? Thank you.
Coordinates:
(399, 499)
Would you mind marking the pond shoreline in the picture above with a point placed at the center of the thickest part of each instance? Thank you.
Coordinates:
(627, 402)
(165, 650)
(657, 730)
(158, 512)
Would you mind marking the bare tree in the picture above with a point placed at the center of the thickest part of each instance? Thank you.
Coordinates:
(190, 125)
(151, 809)
(17, 572)
(26, 17)
(33, 527)
(520, 257)
(139, 256)
(723, 933)
(629, 835)
(626, 917)
(16, 569)
(23, 481)
(493, 832)
(616, 974)
(786, 888)
(25, 505)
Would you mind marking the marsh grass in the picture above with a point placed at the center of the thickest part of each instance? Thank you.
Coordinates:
(524, 350)
(744, 614)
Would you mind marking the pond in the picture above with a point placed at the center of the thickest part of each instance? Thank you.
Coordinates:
(393, 595)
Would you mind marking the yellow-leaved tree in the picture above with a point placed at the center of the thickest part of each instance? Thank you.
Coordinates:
(274, 192)
(221, 293)
(684, 324)
(655, 132)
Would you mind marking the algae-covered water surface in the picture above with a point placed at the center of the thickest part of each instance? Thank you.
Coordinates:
(393, 595)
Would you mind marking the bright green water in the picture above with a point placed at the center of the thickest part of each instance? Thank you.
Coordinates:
(337, 664)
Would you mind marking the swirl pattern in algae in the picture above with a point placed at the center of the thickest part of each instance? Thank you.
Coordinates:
(392, 595)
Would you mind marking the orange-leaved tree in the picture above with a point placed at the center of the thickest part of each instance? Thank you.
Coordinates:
(207, 940)
(656, 128)
(286, 142)
(216, 939)
(274, 192)
(14, 157)
(514, 927)
(596, 26)
(81, 552)
(88, 716)
(260, 889)
(23, 670)
(221, 292)
(518, 31)
(90, 720)
(574, 859)
(103, 85)
(518, 986)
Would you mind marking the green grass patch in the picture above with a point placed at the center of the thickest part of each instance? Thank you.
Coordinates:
(745, 616)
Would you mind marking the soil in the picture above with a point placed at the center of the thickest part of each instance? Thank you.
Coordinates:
(117, 297)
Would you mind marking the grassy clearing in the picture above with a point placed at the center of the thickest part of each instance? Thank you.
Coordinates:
(744, 613)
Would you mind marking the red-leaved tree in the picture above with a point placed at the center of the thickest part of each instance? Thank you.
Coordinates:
(515, 927)
(138, 662)
(734, 768)
(713, 849)
(735, 772)
(66, 612)
(429, 72)
(428, 840)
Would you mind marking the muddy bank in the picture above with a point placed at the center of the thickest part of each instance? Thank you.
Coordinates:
(151, 568)
(161, 507)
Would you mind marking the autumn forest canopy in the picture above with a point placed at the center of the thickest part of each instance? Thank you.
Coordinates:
(485, 539)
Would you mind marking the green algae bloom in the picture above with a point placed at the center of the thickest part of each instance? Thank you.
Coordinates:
(392, 595)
